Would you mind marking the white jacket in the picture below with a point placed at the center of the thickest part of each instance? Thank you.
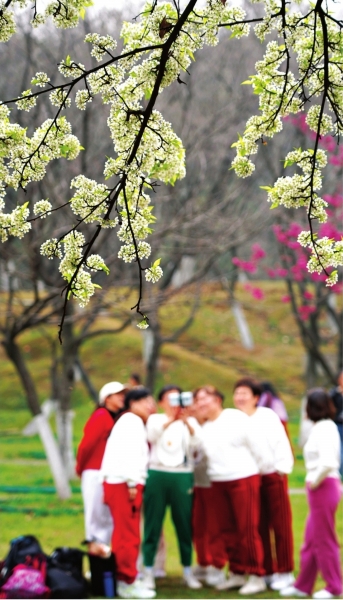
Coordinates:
(126, 454)
(322, 452)
(271, 442)
(172, 448)
(230, 447)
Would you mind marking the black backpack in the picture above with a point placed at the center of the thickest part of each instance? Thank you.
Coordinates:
(20, 548)
(64, 574)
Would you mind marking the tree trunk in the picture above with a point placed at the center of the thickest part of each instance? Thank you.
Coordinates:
(14, 354)
(43, 427)
(54, 457)
(86, 381)
(311, 372)
(64, 426)
(64, 415)
(152, 352)
(242, 325)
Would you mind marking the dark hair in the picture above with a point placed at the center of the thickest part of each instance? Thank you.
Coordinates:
(251, 383)
(266, 386)
(136, 377)
(319, 405)
(211, 390)
(136, 394)
(168, 388)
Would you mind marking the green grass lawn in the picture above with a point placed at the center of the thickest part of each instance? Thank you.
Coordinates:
(63, 525)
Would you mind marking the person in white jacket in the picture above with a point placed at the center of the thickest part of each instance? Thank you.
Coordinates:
(123, 471)
(173, 438)
(320, 550)
(233, 468)
(276, 463)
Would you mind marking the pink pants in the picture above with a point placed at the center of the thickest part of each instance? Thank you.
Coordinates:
(320, 551)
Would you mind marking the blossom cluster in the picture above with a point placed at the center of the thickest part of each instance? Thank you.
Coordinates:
(156, 50)
(300, 58)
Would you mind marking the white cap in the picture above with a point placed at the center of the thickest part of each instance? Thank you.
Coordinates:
(113, 387)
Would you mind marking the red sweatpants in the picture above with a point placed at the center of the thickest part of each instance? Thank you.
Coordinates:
(236, 505)
(203, 522)
(276, 524)
(126, 532)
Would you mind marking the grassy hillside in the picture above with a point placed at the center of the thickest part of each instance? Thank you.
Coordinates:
(209, 351)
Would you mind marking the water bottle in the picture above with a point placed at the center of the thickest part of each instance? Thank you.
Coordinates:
(108, 584)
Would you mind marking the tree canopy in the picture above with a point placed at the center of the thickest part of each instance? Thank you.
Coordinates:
(301, 71)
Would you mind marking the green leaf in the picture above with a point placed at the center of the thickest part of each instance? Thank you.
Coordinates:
(156, 263)
(104, 268)
(247, 82)
(68, 61)
(274, 205)
(288, 163)
(266, 187)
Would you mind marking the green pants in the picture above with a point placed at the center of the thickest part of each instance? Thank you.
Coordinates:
(164, 489)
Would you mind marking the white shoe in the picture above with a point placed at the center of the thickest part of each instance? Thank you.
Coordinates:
(148, 581)
(133, 590)
(282, 580)
(270, 578)
(159, 573)
(214, 576)
(254, 585)
(323, 594)
(199, 572)
(292, 592)
(234, 581)
(191, 582)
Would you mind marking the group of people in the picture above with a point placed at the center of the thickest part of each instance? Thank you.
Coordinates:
(223, 473)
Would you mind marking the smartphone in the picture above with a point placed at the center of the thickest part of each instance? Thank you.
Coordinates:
(181, 399)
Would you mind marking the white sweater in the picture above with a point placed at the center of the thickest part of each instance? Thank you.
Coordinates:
(126, 454)
(172, 448)
(322, 452)
(229, 447)
(271, 442)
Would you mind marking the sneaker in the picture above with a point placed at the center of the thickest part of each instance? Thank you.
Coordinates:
(199, 572)
(191, 582)
(214, 576)
(292, 592)
(148, 581)
(323, 594)
(133, 590)
(234, 581)
(270, 578)
(282, 580)
(159, 573)
(254, 585)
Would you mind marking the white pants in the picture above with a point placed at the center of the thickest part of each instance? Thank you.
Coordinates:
(98, 520)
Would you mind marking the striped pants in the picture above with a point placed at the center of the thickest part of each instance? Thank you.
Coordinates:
(276, 524)
(237, 508)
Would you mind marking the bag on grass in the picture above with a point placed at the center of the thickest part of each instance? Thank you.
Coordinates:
(21, 548)
(64, 574)
(28, 580)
